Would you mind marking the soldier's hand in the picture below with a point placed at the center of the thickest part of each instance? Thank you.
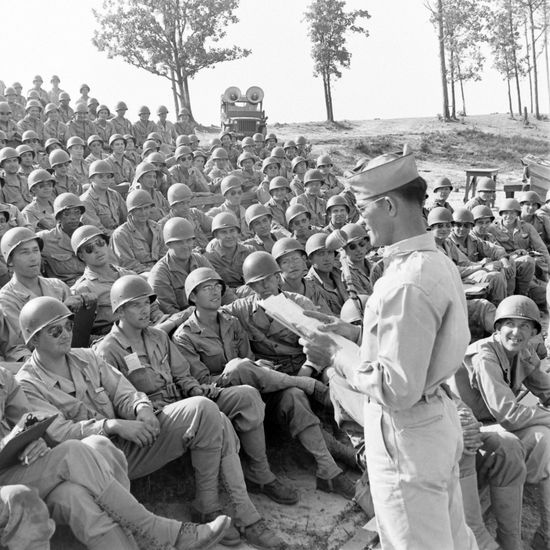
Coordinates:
(74, 303)
(135, 431)
(148, 416)
(335, 325)
(197, 391)
(319, 348)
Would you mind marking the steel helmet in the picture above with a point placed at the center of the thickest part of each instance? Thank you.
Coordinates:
(143, 168)
(138, 198)
(247, 142)
(5, 106)
(144, 110)
(92, 138)
(193, 138)
(17, 85)
(200, 153)
(75, 140)
(182, 151)
(219, 153)
(284, 246)
(7, 153)
(129, 137)
(509, 204)
(83, 234)
(129, 288)
(443, 182)
(337, 200)
(37, 78)
(246, 155)
(350, 313)
(10, 90)
(279, 182)
(199, 276)
(530, 196)
(336, 240)
(149, 146)
(482, 211)
(58, 157)
(255, 211)
(230, 182)
(225, 133)
(121, 106)
(224, 220)
(518, 307)
(33, 103)
(93, 101)
(178, 192)
(65, 201)
(271, 135)
(157, 156)
(81, 108)
(295, 210)
(103, 108)
(22, 149)
(354, 232)
(114, 138)
(84, 86)
(100, 167)
(288, 144)
(269, 161)
(463, 215)
(182, 140)
(28, 135)
(301, 140)
(177, 229)
(15, 236)
(323, 160)
(295, 162)
(64, 96)
(51, 141)
(486, 184)
(258, 266)
(162, 109)
(214, 143)
(313, 175)
(39, 176)
(258, 138)
(316, 242)
(440, 214)
(155, 136)
(184, 111)
(55, 78)
(50, 107)
(39, 313)
(278, 152)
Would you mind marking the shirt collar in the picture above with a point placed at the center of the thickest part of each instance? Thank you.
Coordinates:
(425, 241)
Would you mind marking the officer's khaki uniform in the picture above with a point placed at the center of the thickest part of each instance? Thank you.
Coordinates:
(335, 296)
(411, 426)
(98, 391)
(13, 296)
(167, 278)
(34, 214)
(133, 251)
(202, 226)
(229, 265)
(59, 259)
(107, 212)
(316, 206)
(140, 130)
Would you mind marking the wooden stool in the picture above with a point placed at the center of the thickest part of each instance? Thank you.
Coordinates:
(471, 178)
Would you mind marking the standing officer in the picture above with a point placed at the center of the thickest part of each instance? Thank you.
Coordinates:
(414, 336)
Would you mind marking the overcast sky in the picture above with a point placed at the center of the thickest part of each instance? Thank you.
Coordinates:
(394, 72)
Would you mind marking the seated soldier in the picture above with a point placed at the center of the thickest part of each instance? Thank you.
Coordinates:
(224, 252)
(81, 126)
(57, 254)
(337, 213)
(220, 168)
(530, 203)
(131, 153)
(65, 110)
(14, 189)
(303, 148)
(92, 397)
(199, 161)
(39, 214)
(179, 198)
(440, 221)
(168, 275)
(146, 179)
(79, 168)
(21, 251)
(250, 177)
(260, 222)
(298, 221)
(163, 177)
(278, 204)
(95, 146)
(442, 189)
(32, 119)
(59, 162)
(271, 168)
(185, 172)
(330, 186)
(259, 146)
(123, 169)
(311, 198)
(163, 373)
(104, 128)
(166, 129)
(298, 168)
(284, 164)
(290, 150)
(121, 124)
(324, 273)
(485, 194)
(494, 372)
(54, 127)
(104, 206)
(291, 257)
(27, 157)
(232, 190)
(137, 243)
(272, 342)
(143, 127)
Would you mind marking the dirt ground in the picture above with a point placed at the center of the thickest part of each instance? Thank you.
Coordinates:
(321, 521)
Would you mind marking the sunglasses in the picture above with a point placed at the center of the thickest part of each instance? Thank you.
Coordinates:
(96, 245)
(360, 244)
(56, 331)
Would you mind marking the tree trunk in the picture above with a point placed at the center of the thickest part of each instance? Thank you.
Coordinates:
(443, 67)
(547, 30)
(514, 56)
(462, 96)
(328, 96)
(453, 94)
(529, 68)
(534, 52)
(510, 98)
(174, 92)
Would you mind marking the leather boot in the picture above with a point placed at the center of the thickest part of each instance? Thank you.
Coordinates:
(193, 536)
(115, 538)
(206, 467)
(507, 505)
(541, 540)
(345, 453)
(472, 513)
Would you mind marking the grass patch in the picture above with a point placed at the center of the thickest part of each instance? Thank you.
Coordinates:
(377, 145)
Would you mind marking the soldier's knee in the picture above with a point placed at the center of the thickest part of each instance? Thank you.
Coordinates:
(202, 405)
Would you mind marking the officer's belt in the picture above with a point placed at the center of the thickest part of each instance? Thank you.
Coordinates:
(170, 392)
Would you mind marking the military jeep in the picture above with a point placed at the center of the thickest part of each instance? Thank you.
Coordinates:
(243, 114)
